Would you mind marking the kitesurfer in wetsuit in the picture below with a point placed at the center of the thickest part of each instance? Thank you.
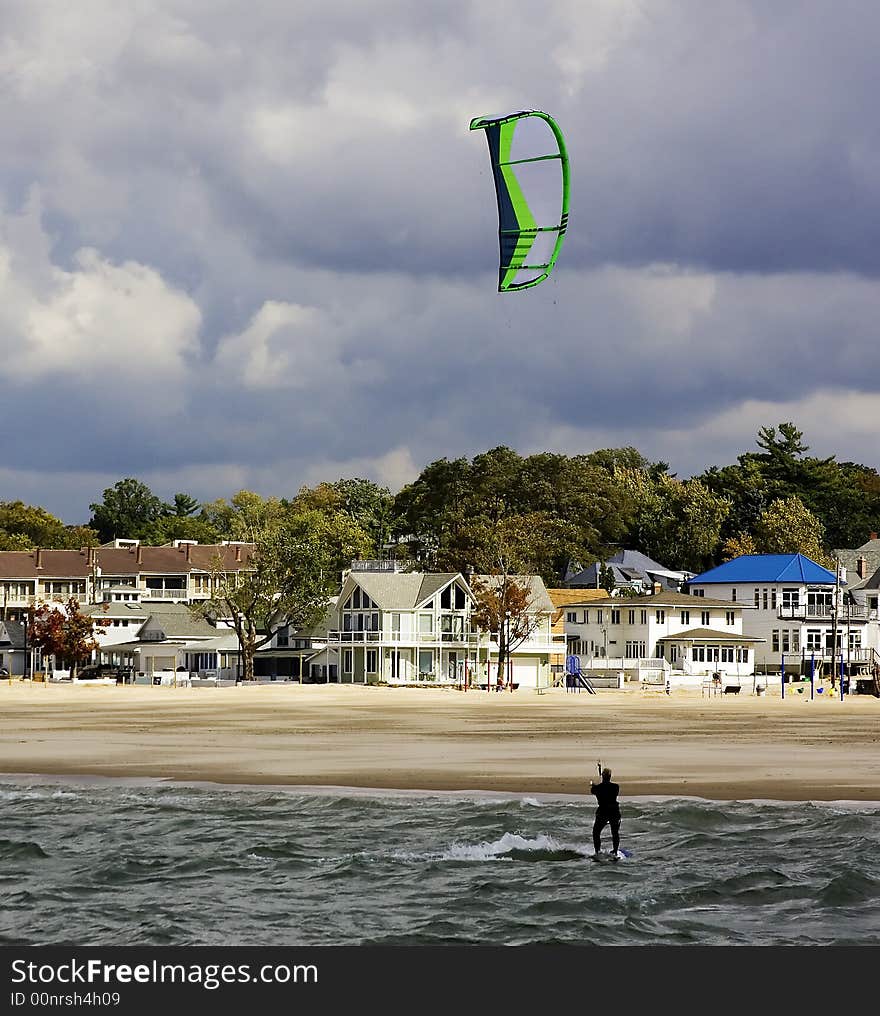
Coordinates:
(608, 812)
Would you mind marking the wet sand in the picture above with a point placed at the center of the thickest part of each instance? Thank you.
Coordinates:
(721, 747)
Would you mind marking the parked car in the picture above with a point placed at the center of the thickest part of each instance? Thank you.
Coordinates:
(98, 671)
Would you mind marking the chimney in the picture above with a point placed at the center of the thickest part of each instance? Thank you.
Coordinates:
(238, 553)
(189, 553)
(862, 567)
(139, 554)
(873, 536)
(38, 554)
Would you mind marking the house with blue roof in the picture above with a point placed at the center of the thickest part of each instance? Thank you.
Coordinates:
(798, 610)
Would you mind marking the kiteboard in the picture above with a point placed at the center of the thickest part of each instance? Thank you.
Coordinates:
(611, 857)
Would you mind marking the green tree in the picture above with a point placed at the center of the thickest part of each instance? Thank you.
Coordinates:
(789, 527)
(287, 583)
(738, 546)
(607, 580)
(677, 522)
(363, 502)
(243, 516)
(183, 505)
(23, 527)
(129, 509)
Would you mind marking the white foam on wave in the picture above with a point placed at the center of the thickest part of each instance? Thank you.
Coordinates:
(495, 850)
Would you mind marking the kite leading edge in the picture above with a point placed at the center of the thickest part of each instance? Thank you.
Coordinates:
(530, 166)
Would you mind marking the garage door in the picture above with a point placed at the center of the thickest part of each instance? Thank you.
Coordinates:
(525, 671)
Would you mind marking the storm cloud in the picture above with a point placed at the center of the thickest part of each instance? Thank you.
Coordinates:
(256, 246)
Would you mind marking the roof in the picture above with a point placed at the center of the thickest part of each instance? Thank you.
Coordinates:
(666, 598)
(561, 598)
(766, 568)
(626, 566)
(397, 590)
(130, 610)
(539, 600)
(12, 634)
(870, 551)
(177, 621)
(24, 564)
(708, 635)
(871, 582)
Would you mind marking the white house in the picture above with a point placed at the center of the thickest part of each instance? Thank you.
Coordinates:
(797, 610)
(669, 635)
(415, 628)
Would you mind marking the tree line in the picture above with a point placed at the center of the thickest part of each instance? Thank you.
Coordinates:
(543, 513)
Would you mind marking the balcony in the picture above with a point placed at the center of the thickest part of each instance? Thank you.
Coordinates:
(825, 612)
(164, 594)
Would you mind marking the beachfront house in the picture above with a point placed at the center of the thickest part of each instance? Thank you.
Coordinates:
(180, 572)
(798, 611)
(13, 645)
(631, 570)
(173, 645)
(669, 636)
(399, 627)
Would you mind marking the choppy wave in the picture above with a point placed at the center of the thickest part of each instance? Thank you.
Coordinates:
(153, 863)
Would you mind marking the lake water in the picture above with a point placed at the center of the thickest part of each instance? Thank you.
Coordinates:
(109, 863)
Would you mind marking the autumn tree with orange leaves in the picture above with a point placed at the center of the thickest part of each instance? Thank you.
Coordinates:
(63, 630)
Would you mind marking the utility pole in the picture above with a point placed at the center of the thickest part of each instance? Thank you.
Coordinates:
(834, 618)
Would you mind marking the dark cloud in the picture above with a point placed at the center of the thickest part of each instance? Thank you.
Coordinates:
(290, 238)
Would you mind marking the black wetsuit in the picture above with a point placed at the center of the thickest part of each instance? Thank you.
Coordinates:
(608, 813)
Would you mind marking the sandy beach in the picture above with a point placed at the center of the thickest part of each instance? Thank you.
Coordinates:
(722, 747)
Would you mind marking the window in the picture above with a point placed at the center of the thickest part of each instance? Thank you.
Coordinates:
(733, 594)
(346, 661)
(699, 592)
(660, 615)
(727, 654)
(742, 656)
(685, 617)
(635, 650)
(765, 599)
(426, 662)
(773, 598)
(372, 661)
(775, 638)
(730, 617)
(814, 639)
(698, 654)
(598, 617)
(790, 600)
(704, 617)
(615, 617)
(644, 617)
(426, 623)
(631, 616)
(757, 598)
(796, 640)
(786, 641)
(571, 615)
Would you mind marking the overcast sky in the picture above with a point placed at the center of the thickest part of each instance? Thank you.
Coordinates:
(255, 245)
